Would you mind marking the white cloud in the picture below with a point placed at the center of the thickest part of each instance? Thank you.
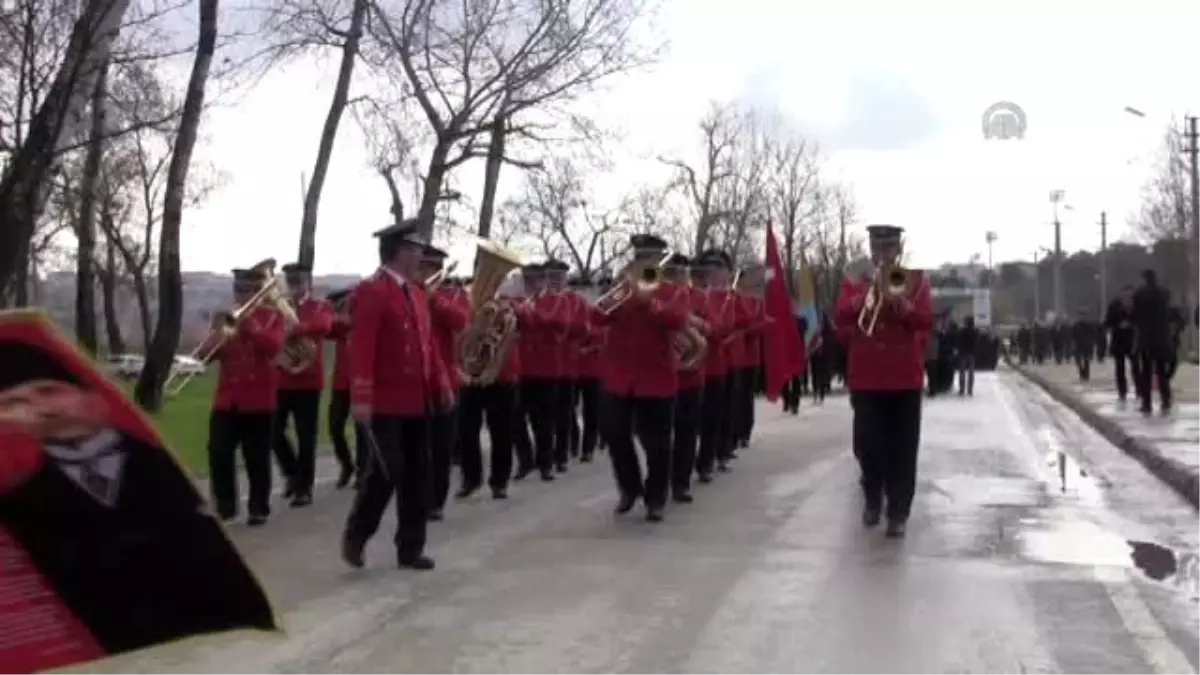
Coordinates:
(849, 71)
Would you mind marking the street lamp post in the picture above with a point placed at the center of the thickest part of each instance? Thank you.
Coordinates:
(991, 238)
(1056, 197)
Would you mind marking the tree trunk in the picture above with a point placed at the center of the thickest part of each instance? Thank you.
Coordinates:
(491, 176)
(85, 223)
(161, 353)
(115, 343)
(141, 291)
(24, 182)
(397, 208)
(434, 178)
(341, 91)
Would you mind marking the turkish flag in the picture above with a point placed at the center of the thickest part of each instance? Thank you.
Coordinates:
(784, 356)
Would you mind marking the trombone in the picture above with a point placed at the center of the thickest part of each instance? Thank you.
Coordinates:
(638, 275)
(225, 326)
(434, 280)
(896, 278)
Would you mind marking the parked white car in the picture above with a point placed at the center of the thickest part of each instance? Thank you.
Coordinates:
(125, 366)
(186, 365)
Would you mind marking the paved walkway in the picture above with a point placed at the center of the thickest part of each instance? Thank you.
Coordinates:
(1018, 560)
(1175, 437)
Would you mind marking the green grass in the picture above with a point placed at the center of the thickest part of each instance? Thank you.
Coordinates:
(183, 422)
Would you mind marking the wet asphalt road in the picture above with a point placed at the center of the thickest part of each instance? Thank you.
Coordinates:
(1015, 562)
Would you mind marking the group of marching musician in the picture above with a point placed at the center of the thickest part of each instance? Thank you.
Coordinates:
(670, 363)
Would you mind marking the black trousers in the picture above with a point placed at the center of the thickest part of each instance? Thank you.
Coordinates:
(733, 413)
(748, 385)
(791, 395)
(589, 398)
(1120, 359)
(299, 465)
(714, 418)
(398, 465)
(650, 419)
(339, 415)
(1148, 364)
(821, 377)
(687, 433)
(1083, 363)
(538, 396)
(564, 419)
(444, 436)
(886, 437)
(251, 431)
(496, 403)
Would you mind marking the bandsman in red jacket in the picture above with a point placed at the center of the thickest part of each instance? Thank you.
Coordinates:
(300, 393)
(749, 354)
(590, 369)
(542, 355)
(686, 427)
(886, 377)
(244, 403)
(641, 382)
(523, 440)
(339, 394)
(570, 337)
(449, 311)
(396, 380)
(713, 273)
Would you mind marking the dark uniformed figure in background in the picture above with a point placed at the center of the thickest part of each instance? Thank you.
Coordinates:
(885, 381)
(448, 315)
(947, 355)
(1041, 343)
(1083, 345)
(819, 360)
(590, 368)
(791, 391)
(640, 382)
(300, 393)
(1024, 343)
(394, 385)
(571, 333)
(244, 404)
(531, 282)
(1118, 323)
(691, 382)
(1151, 304)
(969, 343)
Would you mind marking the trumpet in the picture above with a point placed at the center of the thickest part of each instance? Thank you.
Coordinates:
(889, 281)
(638, 276)
(434, 280)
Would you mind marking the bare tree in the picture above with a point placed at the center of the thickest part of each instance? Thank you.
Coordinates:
(552, 209)
(85, 224)
(743, 198)
(161, 354)
(473, 67)
(110, 273)
(1166, 211)
(831, 246)
(700, 182)
(793, 188)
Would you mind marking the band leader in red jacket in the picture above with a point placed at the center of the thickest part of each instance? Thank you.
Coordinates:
(886, 377)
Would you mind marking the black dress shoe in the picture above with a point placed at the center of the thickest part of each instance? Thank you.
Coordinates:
(301, 499)
(625, 504)
(522, 473)
(561, 467)
(870, 516)
(352, 553)
(585, 458)
(466, 491)
(435, 515)
(256, 521)
(289, 488)
(896, 529)
(704, 477)
(345, 476)
(499, 493)
(723, 466)
(420, 562)
(654, 514)
(682, 497)
(547, 475)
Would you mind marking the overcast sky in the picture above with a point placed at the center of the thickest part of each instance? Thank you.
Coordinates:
(894, 92)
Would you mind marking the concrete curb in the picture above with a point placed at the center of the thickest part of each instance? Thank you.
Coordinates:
(1178, 477)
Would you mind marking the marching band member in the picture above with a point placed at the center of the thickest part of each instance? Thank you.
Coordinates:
(691, 384)
(244, 404)
(714, 276)
(523, 414)
(591, 361)
(449, 312)
(748, 369)
(573, 360)
(885, 379)
(300, 393)
(570, 335)
(541, 360)
(394, 383)
(339, 394)
(640, 383)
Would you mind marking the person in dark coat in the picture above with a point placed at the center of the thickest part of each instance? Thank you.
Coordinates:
(1024, 343)
(967, 345)
(947, 351)
(1118, 323)
(1083, 336)
(109, 519)
(1149, 315)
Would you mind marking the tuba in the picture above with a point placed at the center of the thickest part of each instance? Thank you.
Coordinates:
(890, 280)
(690, 346)
(492, 331)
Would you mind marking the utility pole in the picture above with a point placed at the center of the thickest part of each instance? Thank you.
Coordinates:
(1056, 197)
(1103, 262)
(1037, 289)
(1194, 232)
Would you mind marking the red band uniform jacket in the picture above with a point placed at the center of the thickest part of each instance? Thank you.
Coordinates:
(542, 337)
(752, 337)
(316, 323)
(249, 379)
(340, 334)
(450, 311)
(893, 359)
(394, 368)
(724, 320)
(641, 344)
(697, 303)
